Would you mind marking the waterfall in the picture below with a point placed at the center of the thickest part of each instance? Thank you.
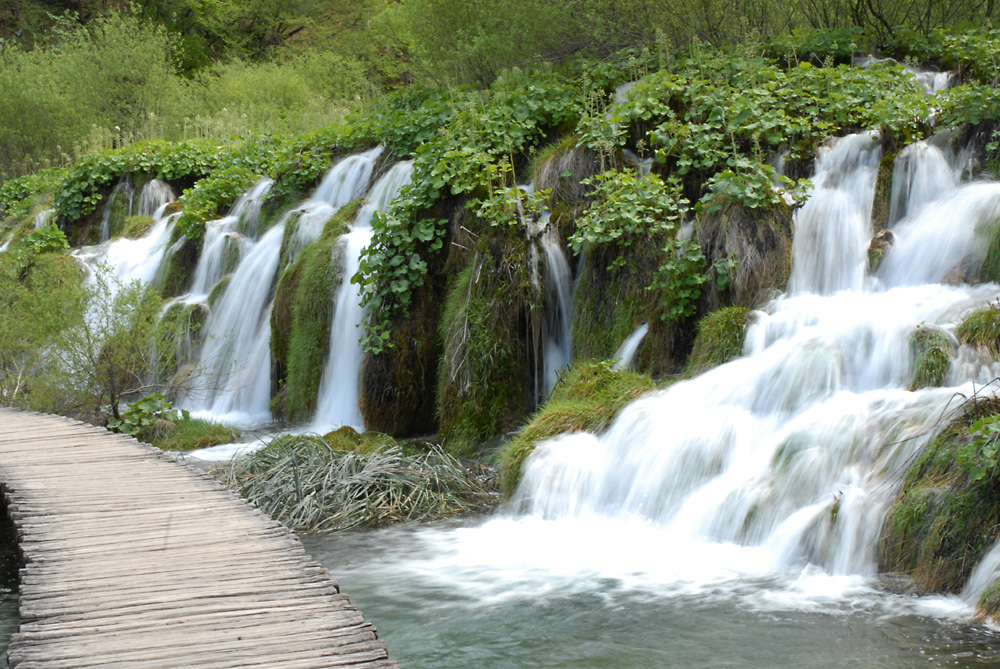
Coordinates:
(345, 182)
(625, 355)
(784, 461)
(154, 195)
(42, 218)
(123, 189)
(233, 379)
(339, 390)
(830, 257)
(222, 234)
(559, 313)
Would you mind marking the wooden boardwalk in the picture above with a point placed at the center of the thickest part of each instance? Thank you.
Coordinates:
(134, 560)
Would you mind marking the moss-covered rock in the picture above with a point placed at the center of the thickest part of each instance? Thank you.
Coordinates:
(561, 168)
(933, 351)
(587, 397)
(136, 226)
(610, 302)
(942, 523)
(487, 378)
(748, 252)
(720, 338)
(882, 202)
(397, 385)
(981, 329)
(300, 323)
(878, 247)
(177, 269)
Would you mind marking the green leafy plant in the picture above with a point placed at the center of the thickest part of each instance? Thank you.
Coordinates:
(140, 416)
(980, 457)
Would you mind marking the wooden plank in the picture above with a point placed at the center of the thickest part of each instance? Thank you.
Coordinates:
(132, 559)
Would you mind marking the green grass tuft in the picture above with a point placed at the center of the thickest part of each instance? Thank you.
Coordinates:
(981, 329)
(587, 397)
(720, 339)
(191, 434)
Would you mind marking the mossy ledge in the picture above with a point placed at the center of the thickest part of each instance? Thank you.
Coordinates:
(587, 397)
(720, 339)
(942, 522)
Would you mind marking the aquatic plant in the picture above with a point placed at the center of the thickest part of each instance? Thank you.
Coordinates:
(310, 487)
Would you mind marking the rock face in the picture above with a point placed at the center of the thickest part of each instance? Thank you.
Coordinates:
(879, 246)
(753, 247)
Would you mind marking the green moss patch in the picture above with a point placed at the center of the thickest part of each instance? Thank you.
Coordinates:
(942, 522)
(981, 329)
(136, 226)
(587, 397)
(192, 434)
(933, 350)
(720, 338)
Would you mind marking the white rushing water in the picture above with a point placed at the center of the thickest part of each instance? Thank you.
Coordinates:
(338, 402)
(625, 355)
(122, 193)
(154, 194)
(559, 312)
(762, 483)
(233, 378)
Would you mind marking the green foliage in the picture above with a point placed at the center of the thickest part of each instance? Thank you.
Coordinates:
(49, 239)
(933, 358)
(629, 209)
(980, 456)
(140, 416)
(943, 521)
(587, 397)
(310, 487)
(188, 434)
(720, 338)
(113, 352)
(981, 329)
(38, 301)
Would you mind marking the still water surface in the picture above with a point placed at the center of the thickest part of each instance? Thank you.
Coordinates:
(453, 596)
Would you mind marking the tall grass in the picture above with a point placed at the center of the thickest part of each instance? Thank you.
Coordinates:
(310, 487)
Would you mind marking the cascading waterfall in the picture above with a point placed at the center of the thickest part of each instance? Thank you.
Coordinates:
(625, 355)
(338, 402)
(233, 381)
(788, 455)
(760, 485)
(558, 283)
(122, 190)
(154, 194)
(224, 233)
(346, 182)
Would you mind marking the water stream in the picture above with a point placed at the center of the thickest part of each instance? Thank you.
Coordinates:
(731, 519)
